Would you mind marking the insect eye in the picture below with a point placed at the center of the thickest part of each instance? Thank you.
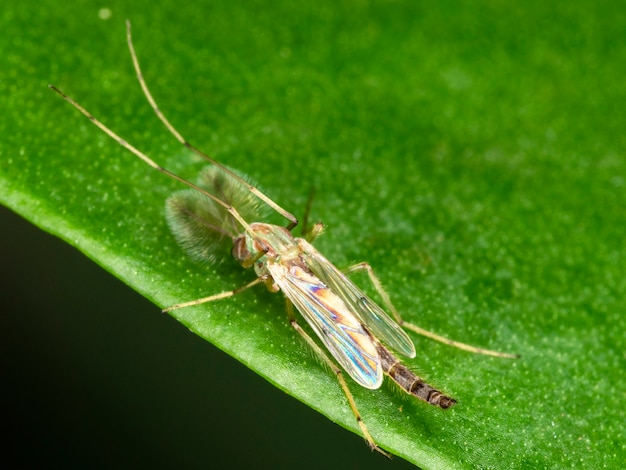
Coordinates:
(240, 251)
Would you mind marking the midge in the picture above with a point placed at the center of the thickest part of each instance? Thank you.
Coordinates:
(358, 334)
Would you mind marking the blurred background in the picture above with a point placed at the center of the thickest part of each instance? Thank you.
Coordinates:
(502, 124)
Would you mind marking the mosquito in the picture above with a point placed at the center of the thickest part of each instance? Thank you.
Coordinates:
(358, 335)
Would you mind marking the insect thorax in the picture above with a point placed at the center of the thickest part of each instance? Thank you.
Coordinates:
(267, 242)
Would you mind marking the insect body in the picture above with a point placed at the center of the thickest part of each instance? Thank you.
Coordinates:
(349, 323)
(358, 334)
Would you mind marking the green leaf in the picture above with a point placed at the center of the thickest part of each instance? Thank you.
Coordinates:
(474, 156)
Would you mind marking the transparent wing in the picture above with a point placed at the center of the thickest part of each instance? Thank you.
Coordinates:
(340, 331)
(375, 319)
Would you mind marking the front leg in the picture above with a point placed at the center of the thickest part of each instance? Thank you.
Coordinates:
(213, 298)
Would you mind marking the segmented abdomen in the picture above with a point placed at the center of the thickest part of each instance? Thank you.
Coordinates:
(410, 382)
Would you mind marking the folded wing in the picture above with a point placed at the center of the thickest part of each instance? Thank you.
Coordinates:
(333, 322)
(376, 320)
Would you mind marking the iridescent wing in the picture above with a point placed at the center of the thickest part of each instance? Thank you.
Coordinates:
(330, 318)
(375, 319)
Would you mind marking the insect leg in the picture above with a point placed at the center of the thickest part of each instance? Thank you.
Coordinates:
(304, 230)
(416, 329)
(316, 229)
(142, 82)
(213, 298)
(338, 373)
